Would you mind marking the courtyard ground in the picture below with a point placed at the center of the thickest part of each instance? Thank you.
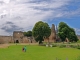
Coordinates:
(36, 52)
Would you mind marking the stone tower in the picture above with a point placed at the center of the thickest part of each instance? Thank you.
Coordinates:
(52, 37)
(18, 37)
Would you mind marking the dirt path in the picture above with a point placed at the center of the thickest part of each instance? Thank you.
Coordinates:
(4, 45)
(7, 45)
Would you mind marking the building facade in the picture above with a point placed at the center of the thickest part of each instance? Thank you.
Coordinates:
(52, 37)
(17, 37)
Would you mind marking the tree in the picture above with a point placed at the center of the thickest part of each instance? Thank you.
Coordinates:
(66, 32)
(28, 33)
(72, 35)
(41, 30)
(24, 33)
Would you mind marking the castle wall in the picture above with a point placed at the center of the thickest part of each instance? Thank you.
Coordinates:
(18, 36)
(52, 37)
(28, 39)
(6, 39)
(78, 37)
(25, 39)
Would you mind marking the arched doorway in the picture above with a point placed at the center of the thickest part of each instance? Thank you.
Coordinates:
(17, 41)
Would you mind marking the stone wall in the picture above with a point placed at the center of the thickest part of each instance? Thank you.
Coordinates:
(78, 37)
(25, 39)
(18, 36)
(6, 39)
(52, 37)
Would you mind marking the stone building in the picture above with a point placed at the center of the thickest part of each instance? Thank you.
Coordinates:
(17, 37)
(52, 37)
(6, 39)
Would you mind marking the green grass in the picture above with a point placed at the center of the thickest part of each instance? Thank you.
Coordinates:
(34, 52)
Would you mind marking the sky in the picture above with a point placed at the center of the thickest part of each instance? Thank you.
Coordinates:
(21, 15)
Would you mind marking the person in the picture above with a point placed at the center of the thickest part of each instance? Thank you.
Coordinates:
(25, 48)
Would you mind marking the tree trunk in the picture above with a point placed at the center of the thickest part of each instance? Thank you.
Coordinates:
(40, 42)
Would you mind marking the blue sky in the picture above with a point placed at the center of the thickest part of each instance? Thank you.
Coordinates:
(21, 15)
(73, 22)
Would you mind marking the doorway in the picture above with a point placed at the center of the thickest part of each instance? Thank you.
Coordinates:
(17, 41)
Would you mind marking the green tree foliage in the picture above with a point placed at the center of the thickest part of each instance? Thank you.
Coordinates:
(41, 30)
(24, 33)
(28, 33)
(66, 32)
(72, 36)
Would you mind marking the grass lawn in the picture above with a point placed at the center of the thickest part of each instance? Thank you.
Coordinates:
(34, 52)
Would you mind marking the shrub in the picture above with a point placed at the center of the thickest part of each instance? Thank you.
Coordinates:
(62, 46)
(42, 44)
(78, 41)
(78, 46)
(73, 46)
(54, 45)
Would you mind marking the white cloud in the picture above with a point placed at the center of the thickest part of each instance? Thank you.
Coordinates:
(2, 32)
(77, 30)
(6, 1)
(25, 14)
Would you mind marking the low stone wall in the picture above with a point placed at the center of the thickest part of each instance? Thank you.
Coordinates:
(6, 39)
(10, 39)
